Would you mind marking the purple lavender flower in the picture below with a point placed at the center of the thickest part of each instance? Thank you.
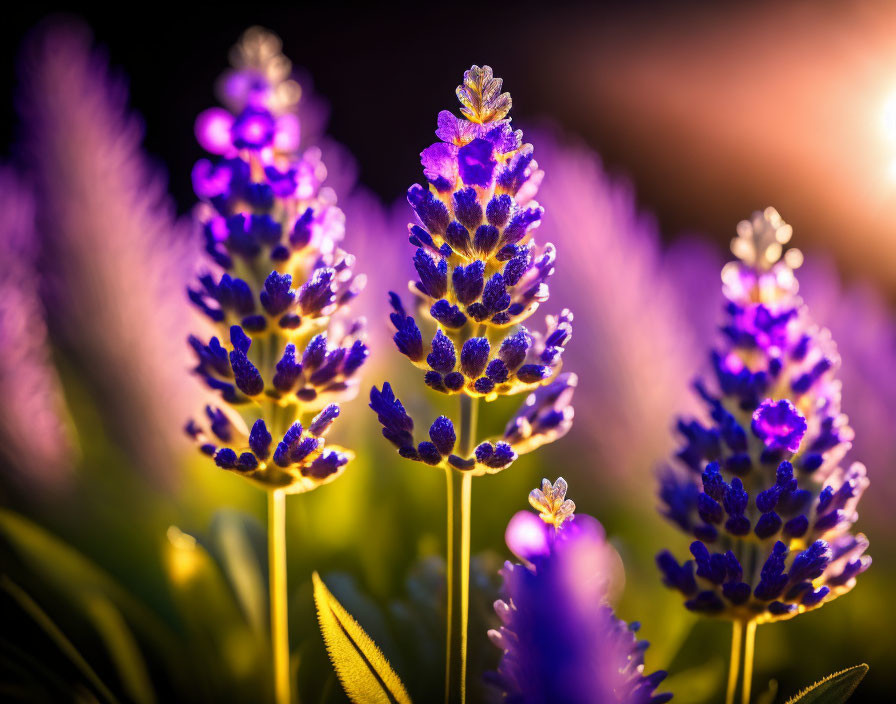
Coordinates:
(112, 253)
(858, 319)
(33, 436)
(280, 285)
(560, 638)
(762, 486)
(480, 275)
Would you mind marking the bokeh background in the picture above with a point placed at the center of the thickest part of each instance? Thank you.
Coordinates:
(658, 127)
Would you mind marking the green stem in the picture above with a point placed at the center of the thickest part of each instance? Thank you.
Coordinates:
(459, 490)
(277, 579)
(749, 649)
(737, 630)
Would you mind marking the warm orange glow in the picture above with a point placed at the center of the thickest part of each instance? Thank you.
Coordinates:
(720, 113)
(888, 118)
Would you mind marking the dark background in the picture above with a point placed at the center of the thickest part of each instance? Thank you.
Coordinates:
(385, 70)
(713, 111)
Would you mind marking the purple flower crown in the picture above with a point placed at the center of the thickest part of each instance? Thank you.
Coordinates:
(481, 275)
(279, 297)
(762, 486)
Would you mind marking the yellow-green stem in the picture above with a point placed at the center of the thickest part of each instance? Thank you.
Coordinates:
(749, 649)
(277, 578)
(459, 491)
(737, 630)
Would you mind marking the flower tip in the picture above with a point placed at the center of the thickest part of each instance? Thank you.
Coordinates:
(481, 97)
(760, 241)
(551, 502)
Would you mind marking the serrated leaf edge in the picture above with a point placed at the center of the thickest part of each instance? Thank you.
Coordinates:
(795, 699)
(379, 666)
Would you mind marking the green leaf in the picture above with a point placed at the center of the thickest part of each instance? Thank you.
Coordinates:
(233, 656)
(696, 684)
(122, 648)
(233, 540)
(74, 589)
(768, 696)
(27, 677)
(364, 673)
(833, 689)
(55, 634)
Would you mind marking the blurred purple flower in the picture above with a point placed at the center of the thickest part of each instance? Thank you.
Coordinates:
(33, 436)
(636, 345)
(865, 331)
(860, 321)
(561, 641)
(114, 256)
(377, 232)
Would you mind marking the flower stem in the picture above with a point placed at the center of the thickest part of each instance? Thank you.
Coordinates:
(737, 629)
(749, 648)
(277, 579)
(459, 489)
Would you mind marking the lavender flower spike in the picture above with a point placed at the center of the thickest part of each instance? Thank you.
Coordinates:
(481, 276)
(277, 285)
(560, 638)
(762, 486)
(277, 289)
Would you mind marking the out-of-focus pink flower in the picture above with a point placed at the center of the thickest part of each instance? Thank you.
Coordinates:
(379, 234)
(635, 343)
(113, 252)
(865, 331)
(33, 437)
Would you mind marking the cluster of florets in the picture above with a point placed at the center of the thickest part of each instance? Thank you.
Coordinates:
(559, 637)
(762, 486)
(281, 285)
(481, 275)
(545, 416)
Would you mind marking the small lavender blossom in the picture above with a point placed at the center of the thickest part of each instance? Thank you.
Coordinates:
(481, 275)
(762, 487)
(280, 284)
(560, 639)
(33, 437)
